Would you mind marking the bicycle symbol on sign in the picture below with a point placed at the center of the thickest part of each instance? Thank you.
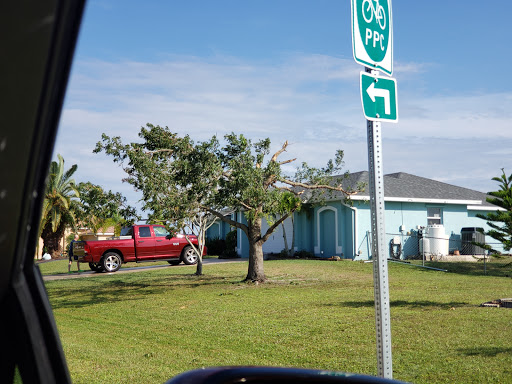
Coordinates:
(376, 10)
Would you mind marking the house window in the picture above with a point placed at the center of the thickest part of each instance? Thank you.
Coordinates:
(434, 216)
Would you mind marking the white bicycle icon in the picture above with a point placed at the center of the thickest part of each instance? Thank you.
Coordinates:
(370, 10)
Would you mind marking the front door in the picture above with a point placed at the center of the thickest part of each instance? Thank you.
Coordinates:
(145, 243)
(327, 233)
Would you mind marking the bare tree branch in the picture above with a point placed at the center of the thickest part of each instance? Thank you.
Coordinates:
(233, 223)
(287, 161)
(151, 153)
(283, 148)
(317, 186)
(245, 205)
(271, 178)
(287, 189)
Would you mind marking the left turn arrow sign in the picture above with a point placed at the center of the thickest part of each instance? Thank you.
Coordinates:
(378, 96)
(380, 92)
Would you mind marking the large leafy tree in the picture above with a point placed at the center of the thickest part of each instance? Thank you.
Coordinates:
(191, 173)
(179, 178)
(59, 205)
(500, 221)
(162, 169)
(99, 209)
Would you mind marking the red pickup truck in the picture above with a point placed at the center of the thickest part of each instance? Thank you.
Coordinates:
(137, 243)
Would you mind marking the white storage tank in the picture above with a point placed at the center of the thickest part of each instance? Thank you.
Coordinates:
(434, 242)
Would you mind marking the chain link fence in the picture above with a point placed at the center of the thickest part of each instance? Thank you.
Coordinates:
(418, 245)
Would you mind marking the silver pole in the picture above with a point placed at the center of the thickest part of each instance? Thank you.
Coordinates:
(423, 248)
(380, 265)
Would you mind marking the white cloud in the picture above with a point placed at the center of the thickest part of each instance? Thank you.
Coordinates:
(479, 116)
(311, 101)
(402, 69)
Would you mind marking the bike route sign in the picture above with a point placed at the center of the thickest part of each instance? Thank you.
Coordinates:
(372, 34)
(379, 98)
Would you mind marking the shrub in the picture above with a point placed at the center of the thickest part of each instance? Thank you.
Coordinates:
(215, 246)
(302, 254)
(230, 250)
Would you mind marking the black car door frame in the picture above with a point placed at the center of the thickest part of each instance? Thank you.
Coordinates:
(38, 40)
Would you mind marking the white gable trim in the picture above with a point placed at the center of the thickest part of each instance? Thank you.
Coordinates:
(484, 208)
(420, 200)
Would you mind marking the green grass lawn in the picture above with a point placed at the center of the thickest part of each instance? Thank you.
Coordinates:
(151, 325)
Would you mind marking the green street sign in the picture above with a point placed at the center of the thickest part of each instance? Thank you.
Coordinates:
(379, 98)
(372, 34)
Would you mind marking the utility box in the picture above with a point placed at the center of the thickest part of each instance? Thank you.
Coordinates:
(469, 236)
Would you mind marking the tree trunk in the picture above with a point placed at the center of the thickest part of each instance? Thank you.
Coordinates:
(255, 272)
(51, 240)
(199, 267)
(286, 250)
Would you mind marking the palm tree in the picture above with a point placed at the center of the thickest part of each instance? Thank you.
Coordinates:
(116, 220)
(59, 206)
(100, 209)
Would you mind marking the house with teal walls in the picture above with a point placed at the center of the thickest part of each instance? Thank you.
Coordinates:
(421, 216)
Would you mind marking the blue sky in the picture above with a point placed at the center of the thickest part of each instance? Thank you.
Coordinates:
(284, 70)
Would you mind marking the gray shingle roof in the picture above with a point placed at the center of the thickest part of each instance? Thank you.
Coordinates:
(405, 186)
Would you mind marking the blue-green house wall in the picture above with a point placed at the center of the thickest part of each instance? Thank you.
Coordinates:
(219, 229)
(242, 245)
(337, 229)
(402, 220)
(325, 230)
(303, 225)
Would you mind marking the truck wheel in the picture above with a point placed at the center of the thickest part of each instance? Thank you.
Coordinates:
(111, 262)
(174, 262)
(96, 267)
(189, 255)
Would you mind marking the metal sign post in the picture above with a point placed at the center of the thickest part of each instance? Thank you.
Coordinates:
(380, 263)
(372, 42)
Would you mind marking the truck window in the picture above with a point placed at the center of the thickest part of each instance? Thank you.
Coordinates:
(144, 232)
(127, 231)
(160, 231)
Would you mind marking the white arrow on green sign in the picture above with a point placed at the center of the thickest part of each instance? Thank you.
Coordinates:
(379, 98)
(372, 34)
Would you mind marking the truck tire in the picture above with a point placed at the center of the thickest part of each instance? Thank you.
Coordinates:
(96, 267)
(189, 255)
(111, 262)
